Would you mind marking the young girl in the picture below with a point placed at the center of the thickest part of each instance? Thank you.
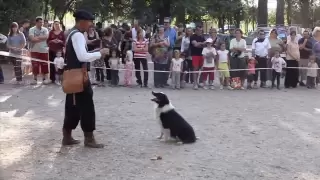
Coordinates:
(176, 69)
(114, 63)
(312, 72)
(251, 72)
(277, 64)
(223, 65)
(209, 53)
(129, 68)
(98, 65)
(59, 65)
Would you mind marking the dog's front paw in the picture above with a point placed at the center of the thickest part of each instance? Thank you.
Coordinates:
(179, 143)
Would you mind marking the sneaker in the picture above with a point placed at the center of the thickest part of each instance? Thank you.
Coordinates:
(241, 88)
(221, 87)
(34, 82)
(58, 83)
(195, 87)
(205, 87)
(302, 84)
(255, 85)
(212, 87)
(45, 82)
(230, 88)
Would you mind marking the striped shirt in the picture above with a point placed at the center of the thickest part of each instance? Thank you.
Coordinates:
(141, 54)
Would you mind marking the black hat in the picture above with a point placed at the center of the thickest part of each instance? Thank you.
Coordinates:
(83, 15)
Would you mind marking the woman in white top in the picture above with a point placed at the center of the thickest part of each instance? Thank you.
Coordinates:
(237, 47)
(186, 52)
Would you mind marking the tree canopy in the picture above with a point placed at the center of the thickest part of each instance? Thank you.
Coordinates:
(223, 12)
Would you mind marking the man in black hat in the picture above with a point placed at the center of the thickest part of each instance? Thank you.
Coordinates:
(80, 106)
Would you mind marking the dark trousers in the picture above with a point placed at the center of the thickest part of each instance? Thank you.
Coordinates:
(318, 76)
(160, 78)
(99, 75)
(276, 75)
(292, 75)
(189, 76)
(108, 70)
(114, 76)
(137, 67)
(311, 82)
(52, 55)
(17, 68)
(262, 63)
(80, 107)
(1, 75)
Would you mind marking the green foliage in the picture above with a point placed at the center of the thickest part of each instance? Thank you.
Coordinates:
(17, 10)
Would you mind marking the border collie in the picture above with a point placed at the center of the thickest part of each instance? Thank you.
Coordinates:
(173, 125)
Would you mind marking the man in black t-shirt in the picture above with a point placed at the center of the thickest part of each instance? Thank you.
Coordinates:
(305, 46)
(197, 43)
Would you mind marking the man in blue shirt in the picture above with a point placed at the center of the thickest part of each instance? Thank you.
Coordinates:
(172, 35)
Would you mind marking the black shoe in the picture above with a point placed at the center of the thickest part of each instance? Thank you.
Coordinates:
(302, 84)
(273, 86)
(278, 88)
(263, 85)
(145, 85)
(166, 84)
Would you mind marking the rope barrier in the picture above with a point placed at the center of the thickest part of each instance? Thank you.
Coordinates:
(4, 53)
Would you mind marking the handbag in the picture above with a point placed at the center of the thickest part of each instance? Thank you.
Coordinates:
(74, 80)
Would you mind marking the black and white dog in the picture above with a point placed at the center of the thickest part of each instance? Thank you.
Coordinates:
(173, 125)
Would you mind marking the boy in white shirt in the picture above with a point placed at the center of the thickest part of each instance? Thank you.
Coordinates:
(59, 65)
(176, 69)
(209, 53)
(312, 73)
(277, 64)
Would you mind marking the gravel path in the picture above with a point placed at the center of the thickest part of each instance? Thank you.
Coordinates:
(251, 135)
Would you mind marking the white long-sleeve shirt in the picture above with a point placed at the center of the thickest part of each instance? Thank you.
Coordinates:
(80, 47)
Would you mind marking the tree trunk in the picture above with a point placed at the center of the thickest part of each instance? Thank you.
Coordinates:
(221, 22)
(46, 9)
(181, 14)
(280, 12)
(305, 13)
(164, 11)
(289, 11)
(262, 13)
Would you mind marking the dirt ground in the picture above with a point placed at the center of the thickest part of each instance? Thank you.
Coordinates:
(251, 135)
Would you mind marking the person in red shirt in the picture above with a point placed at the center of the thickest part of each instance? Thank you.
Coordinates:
(56, 42)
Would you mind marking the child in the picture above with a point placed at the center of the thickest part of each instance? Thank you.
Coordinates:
(114, 63)
(312, 73)
(277, 64)
(223, 65)
(184, 70)
(209, 53)
(59, 65)
(98, 65)
(129, 68)
(26, 64)
(251, 72)
(176, 69)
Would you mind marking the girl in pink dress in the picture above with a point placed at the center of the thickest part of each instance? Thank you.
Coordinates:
(251, 72)
(129, 68)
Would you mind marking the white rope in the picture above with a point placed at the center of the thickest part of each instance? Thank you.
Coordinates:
(4, 53)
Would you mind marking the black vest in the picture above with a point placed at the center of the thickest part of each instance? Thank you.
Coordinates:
(71, 59)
